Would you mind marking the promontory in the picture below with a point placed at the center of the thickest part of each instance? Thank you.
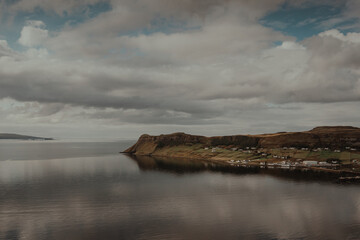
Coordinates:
(330, 147)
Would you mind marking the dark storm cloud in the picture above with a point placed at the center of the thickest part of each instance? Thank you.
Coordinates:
(85, 94)
(153, 116)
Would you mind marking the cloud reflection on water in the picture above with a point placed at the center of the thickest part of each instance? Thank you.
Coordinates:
(110, 198)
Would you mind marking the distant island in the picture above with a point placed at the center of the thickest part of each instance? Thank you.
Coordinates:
(12, 136)
(330, 148)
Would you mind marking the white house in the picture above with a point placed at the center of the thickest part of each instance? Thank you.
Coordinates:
(310, 163)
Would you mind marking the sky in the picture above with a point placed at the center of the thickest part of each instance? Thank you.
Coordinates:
(118, 69)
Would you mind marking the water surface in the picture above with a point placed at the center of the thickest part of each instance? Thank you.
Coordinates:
(92, 192)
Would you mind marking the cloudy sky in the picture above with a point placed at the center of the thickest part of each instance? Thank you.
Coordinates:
(116, 69)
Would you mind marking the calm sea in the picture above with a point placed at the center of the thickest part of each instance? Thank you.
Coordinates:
(74, 190)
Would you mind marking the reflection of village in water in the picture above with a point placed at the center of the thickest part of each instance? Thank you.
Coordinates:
(299, 172)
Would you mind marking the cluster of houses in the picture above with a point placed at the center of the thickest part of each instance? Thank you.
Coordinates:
(284, 160)
(281, 157)
(255, 150)
(320, 149)
(287, 164)
(246, 150)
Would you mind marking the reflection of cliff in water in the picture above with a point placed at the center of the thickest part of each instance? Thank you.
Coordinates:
(184, 166)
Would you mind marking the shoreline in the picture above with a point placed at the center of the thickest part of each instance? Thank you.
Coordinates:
(334, 150)
(336, 173)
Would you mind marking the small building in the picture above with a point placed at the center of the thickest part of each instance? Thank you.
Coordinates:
(334, 161)
(310, 163)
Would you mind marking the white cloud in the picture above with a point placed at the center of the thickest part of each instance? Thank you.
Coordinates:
(220, 67)
(291, 46)
(33, 34)
(216, 29)
(34, 53)
(352, 37)
(5, 50)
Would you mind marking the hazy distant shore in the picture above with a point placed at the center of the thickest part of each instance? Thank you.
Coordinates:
(11, 136)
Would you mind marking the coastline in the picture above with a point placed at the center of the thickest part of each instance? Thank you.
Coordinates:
(178, 165)
(336, 172)
(332, 150)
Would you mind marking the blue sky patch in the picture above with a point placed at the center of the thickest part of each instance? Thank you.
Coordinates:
(303, 22)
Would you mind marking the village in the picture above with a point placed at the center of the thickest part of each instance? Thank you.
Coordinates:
(290, 157)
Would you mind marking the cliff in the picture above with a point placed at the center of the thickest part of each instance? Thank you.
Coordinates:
(338, 137)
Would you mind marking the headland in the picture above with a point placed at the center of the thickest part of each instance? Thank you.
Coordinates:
(329, 148)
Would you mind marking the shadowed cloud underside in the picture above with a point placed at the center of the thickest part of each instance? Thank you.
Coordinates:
(125, 67)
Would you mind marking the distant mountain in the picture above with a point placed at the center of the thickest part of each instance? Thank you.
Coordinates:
(21, 137)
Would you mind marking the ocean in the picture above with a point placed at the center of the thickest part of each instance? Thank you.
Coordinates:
(87, 190)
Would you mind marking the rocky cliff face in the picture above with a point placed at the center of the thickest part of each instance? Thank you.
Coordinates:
(148, 144)
(332, 137)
